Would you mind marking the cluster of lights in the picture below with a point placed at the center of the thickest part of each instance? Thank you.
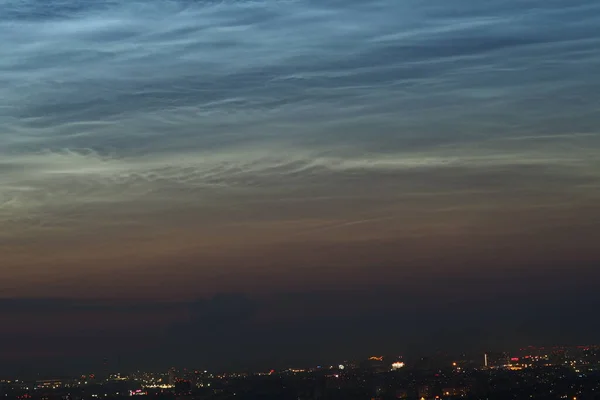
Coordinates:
(296, 371)
(159, 386)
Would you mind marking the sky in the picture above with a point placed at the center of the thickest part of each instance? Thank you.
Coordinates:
(247, 182)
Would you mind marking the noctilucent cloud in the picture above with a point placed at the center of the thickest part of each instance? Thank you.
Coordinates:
(175, 149)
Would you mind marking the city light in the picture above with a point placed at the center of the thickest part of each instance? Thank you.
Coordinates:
(397, 365)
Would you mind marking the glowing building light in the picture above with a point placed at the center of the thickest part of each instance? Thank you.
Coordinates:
(397, 365)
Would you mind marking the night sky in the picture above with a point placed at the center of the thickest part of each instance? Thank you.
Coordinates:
(266, 182)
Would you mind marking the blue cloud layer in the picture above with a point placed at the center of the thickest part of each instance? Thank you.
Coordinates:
(135, 111)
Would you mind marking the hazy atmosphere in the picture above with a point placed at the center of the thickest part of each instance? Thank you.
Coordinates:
(290, 174)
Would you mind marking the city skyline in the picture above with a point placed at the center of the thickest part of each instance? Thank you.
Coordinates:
(571, 356)
(537, 373)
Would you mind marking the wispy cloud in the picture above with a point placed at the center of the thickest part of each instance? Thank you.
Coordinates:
(294, 110)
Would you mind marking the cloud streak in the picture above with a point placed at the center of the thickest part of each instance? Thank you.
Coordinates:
(70, 178)
(287, 117)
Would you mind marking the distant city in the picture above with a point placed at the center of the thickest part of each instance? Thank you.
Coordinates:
(559, 372)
